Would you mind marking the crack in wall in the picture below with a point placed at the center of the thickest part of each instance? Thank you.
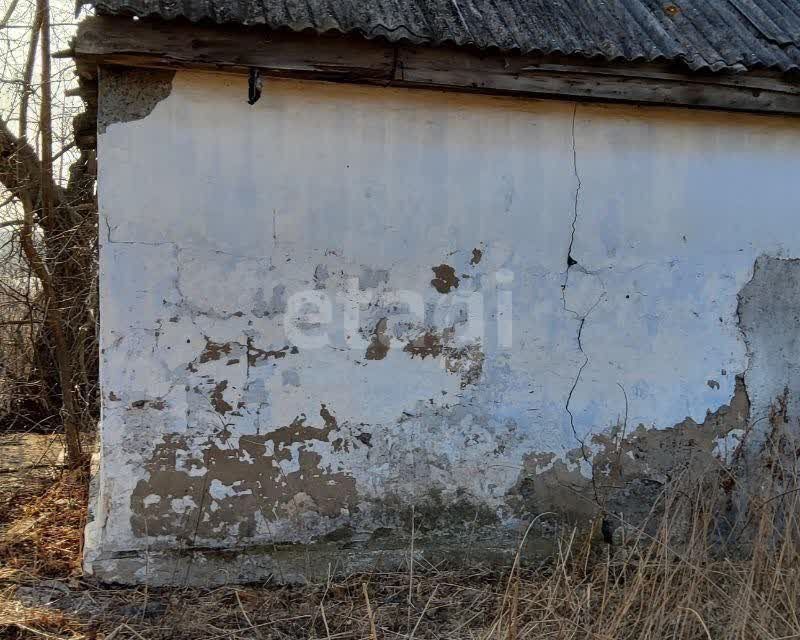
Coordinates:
(110, 240)
(145, 243)
(581, 441)
(181, 305)
(571, 262)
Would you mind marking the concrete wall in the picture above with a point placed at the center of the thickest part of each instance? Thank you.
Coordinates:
(343, 304)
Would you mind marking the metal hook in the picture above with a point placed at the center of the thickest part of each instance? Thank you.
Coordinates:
(254, 86)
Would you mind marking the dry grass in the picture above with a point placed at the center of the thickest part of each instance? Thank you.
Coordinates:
(43, 536)
(20, 621)
(29, 464)
(667, 581)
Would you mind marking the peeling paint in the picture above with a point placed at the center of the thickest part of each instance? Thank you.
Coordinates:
(427, 344)
(609, 318)
(256, 356)
(445, 279)
(218, 400)
(229, 490)
(630, 470)
(466, 361)
(214, 351)
(769, 320)
(379, 343)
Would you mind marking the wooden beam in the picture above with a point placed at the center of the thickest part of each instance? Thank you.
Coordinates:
(435, 67)
(180, 45)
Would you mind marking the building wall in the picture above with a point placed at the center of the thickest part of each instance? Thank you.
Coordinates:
(344, 305)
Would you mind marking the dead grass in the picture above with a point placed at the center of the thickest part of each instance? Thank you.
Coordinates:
(29, 464)
(20, 621)
(670, 579)
(43, 536)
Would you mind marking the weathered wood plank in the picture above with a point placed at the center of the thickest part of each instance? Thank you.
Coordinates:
(431, 67)
(177, 45)
(755, 80)
(114, 40)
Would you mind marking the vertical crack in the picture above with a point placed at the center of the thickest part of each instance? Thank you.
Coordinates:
(571, 262)
(577, 380)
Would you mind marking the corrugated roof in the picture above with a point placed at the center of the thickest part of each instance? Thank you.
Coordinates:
(702, 34)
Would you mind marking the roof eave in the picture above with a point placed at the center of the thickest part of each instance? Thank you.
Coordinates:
(156, 43)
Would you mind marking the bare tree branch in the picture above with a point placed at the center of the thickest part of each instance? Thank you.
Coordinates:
(64, 150)
(20, 168)
(48, 245)
(28, 76)
(9, 12)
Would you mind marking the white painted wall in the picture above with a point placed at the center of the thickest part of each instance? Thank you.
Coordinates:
(210, 204)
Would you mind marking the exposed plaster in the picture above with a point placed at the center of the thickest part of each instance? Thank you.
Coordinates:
(445, 279)
(630, 469)
(768, 313)
(465, 360)
(130, 94)
(262, 479)
(379, 343)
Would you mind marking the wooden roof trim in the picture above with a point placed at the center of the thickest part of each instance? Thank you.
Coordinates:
(181, 45)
